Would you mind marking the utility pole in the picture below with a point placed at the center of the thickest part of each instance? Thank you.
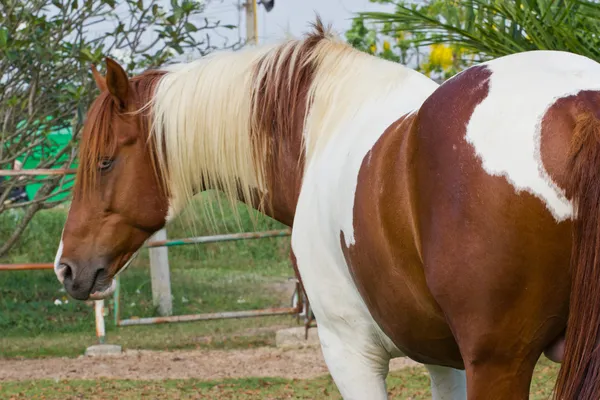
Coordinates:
(251, 22)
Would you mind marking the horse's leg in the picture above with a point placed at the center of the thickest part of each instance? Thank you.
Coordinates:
(358, 373)
(447, 383)
(500, 380)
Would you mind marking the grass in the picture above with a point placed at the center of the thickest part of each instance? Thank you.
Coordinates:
(39, 319)
(217, 334)
(411, 383)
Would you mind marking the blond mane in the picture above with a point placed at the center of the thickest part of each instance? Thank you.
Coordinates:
(220, 117)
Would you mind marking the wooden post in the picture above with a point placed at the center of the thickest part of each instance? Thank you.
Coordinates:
(99, 311)
(251, 22)
(161, 277)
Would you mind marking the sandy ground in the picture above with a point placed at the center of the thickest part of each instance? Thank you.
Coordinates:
(201, 364)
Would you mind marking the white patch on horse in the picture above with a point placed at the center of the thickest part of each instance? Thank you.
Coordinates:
(447, 383)
(505, 128)
(171, 213)
(361, 108)
(59, 273)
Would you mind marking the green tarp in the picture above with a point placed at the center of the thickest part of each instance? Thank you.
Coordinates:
(55, 141)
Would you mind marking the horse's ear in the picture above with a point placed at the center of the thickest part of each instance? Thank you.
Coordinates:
(117, 82)
(99, 79)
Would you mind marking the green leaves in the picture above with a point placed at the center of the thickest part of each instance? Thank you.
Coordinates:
(190, 27)
(3, 38)
(396, 41)
(493, 28)
(47, 48)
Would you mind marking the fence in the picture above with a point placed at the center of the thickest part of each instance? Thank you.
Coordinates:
(161, 290)
(160, 272)
(160, 278)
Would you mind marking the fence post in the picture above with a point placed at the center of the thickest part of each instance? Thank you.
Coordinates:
(99, 311)
(161, 277)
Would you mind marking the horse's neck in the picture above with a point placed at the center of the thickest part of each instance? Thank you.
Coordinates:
(280, 131)
(285, 182)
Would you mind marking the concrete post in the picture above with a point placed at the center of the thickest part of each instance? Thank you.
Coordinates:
(161, 276)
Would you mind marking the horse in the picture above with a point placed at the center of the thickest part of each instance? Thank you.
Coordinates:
(454, 224)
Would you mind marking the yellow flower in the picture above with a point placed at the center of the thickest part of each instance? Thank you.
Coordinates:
(373, 48)
(441, 56)
(386, 45)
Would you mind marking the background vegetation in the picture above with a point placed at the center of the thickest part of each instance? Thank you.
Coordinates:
(46, 51)
(442, 37)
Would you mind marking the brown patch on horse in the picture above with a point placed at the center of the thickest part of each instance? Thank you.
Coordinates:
(279, 103)
(99, 140)
(558, 125)
(580, 373)
(495, 260)
(385, 261)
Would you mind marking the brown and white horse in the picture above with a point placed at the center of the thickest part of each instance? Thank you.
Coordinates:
(443, 223)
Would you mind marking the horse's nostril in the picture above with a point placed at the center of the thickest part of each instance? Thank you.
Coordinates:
(67, 272)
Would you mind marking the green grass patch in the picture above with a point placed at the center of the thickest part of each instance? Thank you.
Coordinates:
(216, 334)
(411, 383)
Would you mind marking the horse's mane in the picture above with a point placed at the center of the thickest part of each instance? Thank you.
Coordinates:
(222, 116)
(217, 119)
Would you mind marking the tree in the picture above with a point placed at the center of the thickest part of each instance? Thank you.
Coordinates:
(46, 50)
(486, 29)
(392, 40)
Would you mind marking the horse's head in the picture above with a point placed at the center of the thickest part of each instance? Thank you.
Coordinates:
(118, 200)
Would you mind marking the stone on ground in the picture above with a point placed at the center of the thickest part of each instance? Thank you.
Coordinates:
(103, 350)
(294, 338)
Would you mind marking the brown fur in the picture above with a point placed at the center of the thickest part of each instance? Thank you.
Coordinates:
(385, 260)
(580, 372)
(277, 120)
(98, 139)
(495, 260)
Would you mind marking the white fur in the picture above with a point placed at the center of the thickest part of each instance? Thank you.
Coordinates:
(354, 114)
(447, 383)
(505, 128)
(106, 292)
(59, 272)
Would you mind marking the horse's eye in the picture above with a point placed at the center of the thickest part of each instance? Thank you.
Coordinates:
(104, 164)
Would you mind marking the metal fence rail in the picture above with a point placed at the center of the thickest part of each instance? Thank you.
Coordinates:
(211, 316)
(219, 238)
(26, 267)
(99, 304)
(36, 172)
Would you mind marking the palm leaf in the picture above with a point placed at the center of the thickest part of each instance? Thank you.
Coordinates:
(494, 28)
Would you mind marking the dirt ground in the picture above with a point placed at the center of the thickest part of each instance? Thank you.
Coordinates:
(201, 364)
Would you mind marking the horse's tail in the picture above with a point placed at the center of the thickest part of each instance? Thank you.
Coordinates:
(579, 376)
